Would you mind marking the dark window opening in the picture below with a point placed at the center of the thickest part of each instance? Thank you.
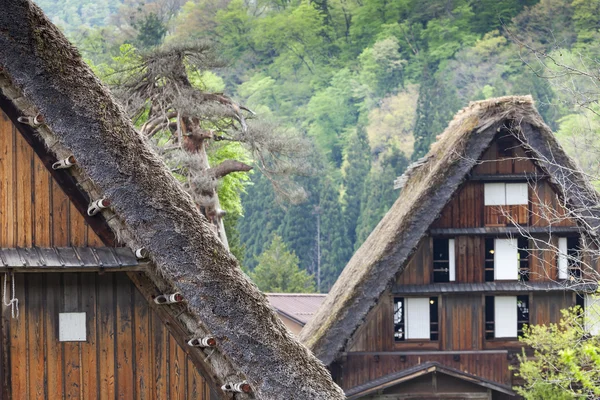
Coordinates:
(505, 146)
(441, 260)
(523, 245)
(580, 302)
(522, 313)
(573, 257)
(489, 317)
(489, 260)
(399, 319)
(434, 326)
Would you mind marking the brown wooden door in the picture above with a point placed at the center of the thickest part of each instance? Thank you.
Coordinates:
(462, 328)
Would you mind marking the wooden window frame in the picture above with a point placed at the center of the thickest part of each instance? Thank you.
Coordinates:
(434, 322)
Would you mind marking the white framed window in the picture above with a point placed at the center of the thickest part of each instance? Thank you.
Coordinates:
(416, 318)
(501, 194)
(506, 316)
(452, 259)
(506, 259)
(563, 264)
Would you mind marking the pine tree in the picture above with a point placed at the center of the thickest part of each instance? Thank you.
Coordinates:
(336, 248)
(298, 227)
(278, 271)
(262, 217)
(379, 193)
(357, 163)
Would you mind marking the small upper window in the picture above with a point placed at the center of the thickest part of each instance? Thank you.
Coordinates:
(444, 263)
(505, 146)
(568, 258)
(505, 194)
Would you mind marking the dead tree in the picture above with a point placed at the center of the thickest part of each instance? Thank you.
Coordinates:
(182, 120)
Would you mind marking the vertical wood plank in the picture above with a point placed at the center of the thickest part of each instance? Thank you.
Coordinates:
(54, 354)
(77, 226)
(106, 335)
(24, 174)
(8, 210)
(143, 346)
(125, 372)
(177, 371)
(60, 217)
(36, 311)
(42, 212)
(89, 349)
(160, 356)
(72, 350)
(18, 344)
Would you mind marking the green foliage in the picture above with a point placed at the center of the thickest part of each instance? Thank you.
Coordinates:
(367, 82)
(277, 271)
(566, 361)
(151, 31)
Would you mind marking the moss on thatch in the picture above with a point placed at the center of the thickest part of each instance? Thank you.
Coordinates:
(427, 186)
(43, 72)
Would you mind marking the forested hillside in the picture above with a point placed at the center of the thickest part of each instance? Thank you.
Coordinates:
(370, 83)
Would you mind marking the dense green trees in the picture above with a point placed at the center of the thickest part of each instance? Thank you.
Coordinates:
(370, 83)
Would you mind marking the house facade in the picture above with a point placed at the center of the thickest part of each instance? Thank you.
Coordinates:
(485, 239)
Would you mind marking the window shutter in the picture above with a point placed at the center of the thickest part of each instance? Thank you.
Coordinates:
(516, 193)
(505, 321)
(452, 260)
(417, 318)
(494, 194)
(563, 265)
(592, 314)
(506, 259)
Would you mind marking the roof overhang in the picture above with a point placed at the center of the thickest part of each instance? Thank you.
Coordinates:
(408, 374)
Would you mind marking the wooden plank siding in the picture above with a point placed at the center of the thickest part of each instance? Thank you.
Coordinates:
(465, 209)
(463, 325)
(129, 353)
(362, 368)
(419, 268)
(470, 259)
(491, 163)
(30, 197)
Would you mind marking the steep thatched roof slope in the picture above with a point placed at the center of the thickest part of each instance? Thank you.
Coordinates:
(42, 73)
(426, 187)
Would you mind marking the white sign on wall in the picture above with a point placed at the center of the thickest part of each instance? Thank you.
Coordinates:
(71, 327)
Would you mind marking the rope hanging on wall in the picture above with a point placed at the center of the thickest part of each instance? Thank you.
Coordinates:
(14, 302)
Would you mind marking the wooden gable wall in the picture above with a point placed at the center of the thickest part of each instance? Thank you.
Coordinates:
(372, 351)
(130, 351)
(34, 211)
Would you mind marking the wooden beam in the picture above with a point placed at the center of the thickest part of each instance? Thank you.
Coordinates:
(529, 177)
(69, 269)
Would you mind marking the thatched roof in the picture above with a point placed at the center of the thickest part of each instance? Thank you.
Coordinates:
(427, 187)
(41, 72)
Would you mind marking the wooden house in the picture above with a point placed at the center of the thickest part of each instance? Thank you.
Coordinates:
(486, 236)
(114, 284)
